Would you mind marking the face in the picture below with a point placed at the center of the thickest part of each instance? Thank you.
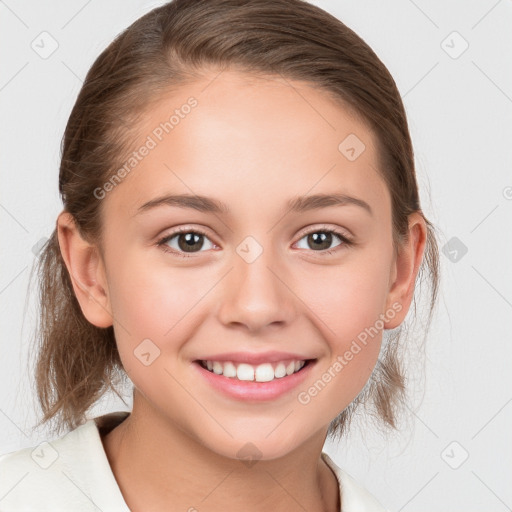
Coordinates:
(265, 284)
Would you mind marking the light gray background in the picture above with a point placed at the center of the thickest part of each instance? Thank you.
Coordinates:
(460, 113)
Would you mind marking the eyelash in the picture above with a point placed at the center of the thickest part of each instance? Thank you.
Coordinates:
(346, 241)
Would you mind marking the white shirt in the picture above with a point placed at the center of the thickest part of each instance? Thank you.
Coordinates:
(72, 474)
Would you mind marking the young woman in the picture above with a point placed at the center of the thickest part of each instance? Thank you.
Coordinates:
(241, 224)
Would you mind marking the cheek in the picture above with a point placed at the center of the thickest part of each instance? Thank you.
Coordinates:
(347, 302)
(156, 312)
(154, 302)
(350, 326)
(347, 299)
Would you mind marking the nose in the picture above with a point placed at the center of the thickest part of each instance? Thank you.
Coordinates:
(256, 295)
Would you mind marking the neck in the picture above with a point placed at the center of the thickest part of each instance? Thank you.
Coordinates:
(156, 464)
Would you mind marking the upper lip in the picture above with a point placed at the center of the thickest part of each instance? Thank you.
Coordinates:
(255, 358)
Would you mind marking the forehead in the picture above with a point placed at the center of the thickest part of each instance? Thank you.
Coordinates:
(249, 138)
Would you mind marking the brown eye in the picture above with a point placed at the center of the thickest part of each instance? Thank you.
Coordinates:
(322, 240)
(185, 241)
(189, 242)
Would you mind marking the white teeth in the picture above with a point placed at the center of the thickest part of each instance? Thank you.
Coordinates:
(280, 370)
(229, 370)
(245, 372)
(264, 372)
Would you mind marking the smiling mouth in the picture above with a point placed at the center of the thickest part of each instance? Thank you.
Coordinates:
(264, 372)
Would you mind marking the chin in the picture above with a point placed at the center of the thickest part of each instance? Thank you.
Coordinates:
(256, 445)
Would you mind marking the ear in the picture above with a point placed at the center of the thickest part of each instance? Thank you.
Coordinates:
(405, 270)
(86, 270)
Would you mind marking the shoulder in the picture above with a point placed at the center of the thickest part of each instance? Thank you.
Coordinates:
(68, 473)
(353, 496)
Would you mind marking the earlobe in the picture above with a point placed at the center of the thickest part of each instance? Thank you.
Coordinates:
(85, 267)
(406, 267)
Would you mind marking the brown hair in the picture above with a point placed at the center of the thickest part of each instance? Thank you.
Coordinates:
(78, 362)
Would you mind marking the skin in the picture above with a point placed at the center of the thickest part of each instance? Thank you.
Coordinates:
(253, 143)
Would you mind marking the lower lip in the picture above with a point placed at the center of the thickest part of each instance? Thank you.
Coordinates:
(252, 390)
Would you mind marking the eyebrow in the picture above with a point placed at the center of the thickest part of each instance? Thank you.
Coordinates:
(313, 202)
(298, 204)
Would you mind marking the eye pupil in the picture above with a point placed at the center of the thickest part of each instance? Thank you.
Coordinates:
(324, 239)
(191, 239)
